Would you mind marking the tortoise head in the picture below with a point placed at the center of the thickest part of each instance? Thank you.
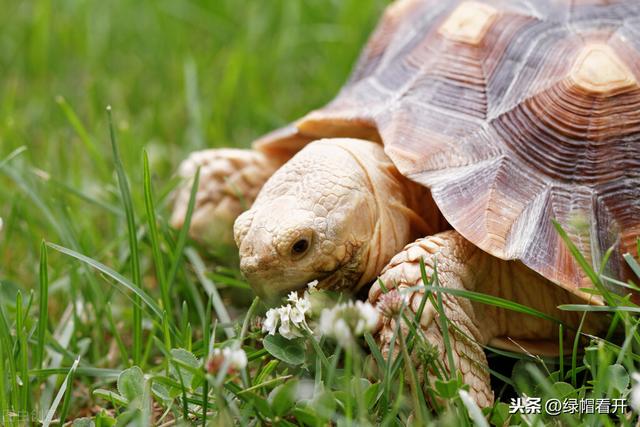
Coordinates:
(332, 214)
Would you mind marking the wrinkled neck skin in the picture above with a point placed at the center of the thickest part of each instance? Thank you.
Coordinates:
(336, 212)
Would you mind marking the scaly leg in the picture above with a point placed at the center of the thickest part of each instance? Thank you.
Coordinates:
(461, 265)
(456, 260)
(230, 180)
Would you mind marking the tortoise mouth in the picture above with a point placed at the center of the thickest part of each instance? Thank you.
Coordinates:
(345, 278)
(339, 279)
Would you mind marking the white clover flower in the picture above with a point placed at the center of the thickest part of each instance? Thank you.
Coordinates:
(285, 312)
(235, 358)
(293, 297)
(289, 328)
(342, 332)
(311, 286)
(634, 396)
(303, 305)
(296, 314)
(270, 324)
(368, 318)
(348, 320)
(292, 317)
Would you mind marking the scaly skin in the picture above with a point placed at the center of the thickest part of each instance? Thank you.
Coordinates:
(230, 180)
(461, 265)
(339, 210)
(456, 261)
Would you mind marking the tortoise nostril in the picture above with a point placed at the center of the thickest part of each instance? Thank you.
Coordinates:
(300, 247)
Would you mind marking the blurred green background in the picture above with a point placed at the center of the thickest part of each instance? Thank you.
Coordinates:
(180, 76)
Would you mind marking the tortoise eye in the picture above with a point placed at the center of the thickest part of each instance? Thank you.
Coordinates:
(300, 247)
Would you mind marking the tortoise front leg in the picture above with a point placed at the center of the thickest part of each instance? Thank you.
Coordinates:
(230, 180)
(456, 259)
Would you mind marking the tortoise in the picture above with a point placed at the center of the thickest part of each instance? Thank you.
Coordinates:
(469, 126)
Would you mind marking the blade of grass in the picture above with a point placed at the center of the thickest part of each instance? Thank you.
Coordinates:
(574, 352)
(15, 153)
(444, 321)
(247, 319)
(487, 299)
(390, 365)
(124, 354)
(27, 310)
(230, 282)
(266, 370)
(390, 415)
(154, 236)
(41, 206)
(598, 308)
(185, 403)
(184, 319)
(561, 348)
(627, 343)
(7, 342)
(414, 385)
(87, 141)
(348, 373)
(375, 351)
(211, 290)
(319, 352)
(586, 267)
(43, 316)
(149, 343)
(165, 332)
(614, 282)
(25, 395)
(115, 276)
(55, 346)
(257, 354)
(54, 406)
(184, 231)
(633, 264)
(112, 397)
(472, 408)
(243, 333)
(582, 262)
(266, 383)
(125, 195)
(67, 396)
(414, 324)
(57, 185)
(194, 292)
(206, 330)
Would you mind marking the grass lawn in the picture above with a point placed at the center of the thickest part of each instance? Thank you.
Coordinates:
(106, 313)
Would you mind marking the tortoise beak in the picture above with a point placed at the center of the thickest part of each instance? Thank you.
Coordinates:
(270, 285)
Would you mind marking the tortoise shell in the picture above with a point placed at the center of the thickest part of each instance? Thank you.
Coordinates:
(514, 114)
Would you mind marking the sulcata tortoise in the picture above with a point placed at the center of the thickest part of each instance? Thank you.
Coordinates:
(468, 126)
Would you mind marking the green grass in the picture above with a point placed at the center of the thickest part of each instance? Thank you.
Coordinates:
(90, 271)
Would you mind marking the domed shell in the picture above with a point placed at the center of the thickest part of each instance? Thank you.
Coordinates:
(514, 114)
